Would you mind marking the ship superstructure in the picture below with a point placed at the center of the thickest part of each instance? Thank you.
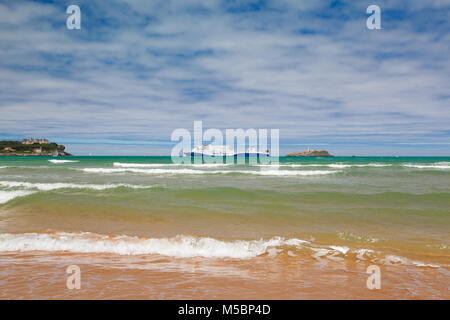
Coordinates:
(208, 150)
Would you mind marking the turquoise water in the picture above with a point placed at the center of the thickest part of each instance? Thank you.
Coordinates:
(395, 205)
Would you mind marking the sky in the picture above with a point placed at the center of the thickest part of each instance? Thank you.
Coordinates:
(139, 69)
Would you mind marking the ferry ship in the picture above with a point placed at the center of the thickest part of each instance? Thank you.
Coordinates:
(208, 150)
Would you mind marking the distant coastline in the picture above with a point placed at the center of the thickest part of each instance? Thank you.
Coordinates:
(32, 147)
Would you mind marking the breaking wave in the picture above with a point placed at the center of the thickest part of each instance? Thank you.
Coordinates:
(192, 171)
(445, 165)
(156, 165)
(179, 246)
(330, 165)
(341, 165)
(62, 161)
(290, 172)
(54, 186)
(6, 196)
(187, 246)
(146, 171)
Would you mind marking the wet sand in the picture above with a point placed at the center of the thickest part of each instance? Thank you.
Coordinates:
(43, 276)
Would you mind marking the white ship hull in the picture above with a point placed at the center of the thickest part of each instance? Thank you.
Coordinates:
(224, 151)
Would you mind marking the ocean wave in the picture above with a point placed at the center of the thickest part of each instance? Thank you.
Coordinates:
(182, 246)
(54, 186)
(191, 171)
(428, 166)
(156, 165)
(329, 165)
(62, 161)
(6, 196)
(140, 165)
(3, 167)
(278, 165)
(375, 165)
(290, 172)
(146, 171)
(179, 246)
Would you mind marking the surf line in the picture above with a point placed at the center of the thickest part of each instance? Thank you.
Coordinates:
(206, 311)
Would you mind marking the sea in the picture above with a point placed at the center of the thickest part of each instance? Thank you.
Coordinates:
(149, 228)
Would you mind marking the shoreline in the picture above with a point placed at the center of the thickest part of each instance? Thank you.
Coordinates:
(112, 277)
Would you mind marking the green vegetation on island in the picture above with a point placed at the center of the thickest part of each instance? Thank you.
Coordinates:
(32, 147)
(310, 153)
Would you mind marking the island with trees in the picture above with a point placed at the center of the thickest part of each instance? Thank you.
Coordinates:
(32, 147)
(310, 153)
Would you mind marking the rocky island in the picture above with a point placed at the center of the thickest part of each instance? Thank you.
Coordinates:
(309, 153)
(32, 147)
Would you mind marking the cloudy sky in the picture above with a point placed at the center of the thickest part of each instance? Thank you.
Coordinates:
(139, 69)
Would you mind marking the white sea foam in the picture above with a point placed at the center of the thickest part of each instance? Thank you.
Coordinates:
(361, 253)
(191, 171)
(6, 196)
(209, 165)
(62, 161)
(332, 254)
(290, 172)
(342, 165)
(179, 246)
(156, 165)
(330, 165)
(3, 167)
(428, 166)
(337, 165)
(146, 171)
(394, 260)
(54, 186)
(212, 165)
(342, 250)
(185, 246)
(140, 165)
(319, 252)
(296, 242)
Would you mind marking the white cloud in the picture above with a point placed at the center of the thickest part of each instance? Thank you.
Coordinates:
(152, 66)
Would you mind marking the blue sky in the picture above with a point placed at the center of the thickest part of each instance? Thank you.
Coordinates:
(139, 69)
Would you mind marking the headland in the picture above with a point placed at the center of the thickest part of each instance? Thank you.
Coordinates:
(32, 147)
